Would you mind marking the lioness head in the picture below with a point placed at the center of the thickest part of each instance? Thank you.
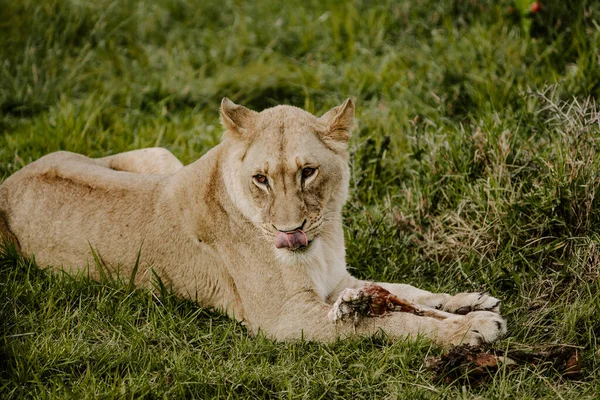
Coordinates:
(287, 170)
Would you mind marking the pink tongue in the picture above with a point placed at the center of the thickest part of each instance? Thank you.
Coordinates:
(291, 240)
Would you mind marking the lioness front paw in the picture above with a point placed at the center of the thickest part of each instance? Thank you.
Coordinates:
(475, 328)
(464, 303)
(370, 301)
(347, 306)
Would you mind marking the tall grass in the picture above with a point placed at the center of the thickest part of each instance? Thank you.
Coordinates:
(474, 166)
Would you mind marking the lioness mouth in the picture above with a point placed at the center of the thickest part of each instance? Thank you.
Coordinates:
(291, 240)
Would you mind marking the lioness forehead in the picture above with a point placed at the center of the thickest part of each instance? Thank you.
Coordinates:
(288, 143)
(282, 117)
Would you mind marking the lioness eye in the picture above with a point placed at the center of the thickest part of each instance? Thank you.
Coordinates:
(260, 179)
(307, 172)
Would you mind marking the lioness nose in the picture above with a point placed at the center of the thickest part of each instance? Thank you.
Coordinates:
(290, 227)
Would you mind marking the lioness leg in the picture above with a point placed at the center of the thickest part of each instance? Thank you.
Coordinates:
(307, 317)
(460, 303)
(154, 160)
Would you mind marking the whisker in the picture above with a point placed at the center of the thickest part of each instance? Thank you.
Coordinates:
(267, 232)
(333, 218)
(315, 226)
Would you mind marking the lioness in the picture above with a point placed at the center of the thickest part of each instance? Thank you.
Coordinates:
(253, 228)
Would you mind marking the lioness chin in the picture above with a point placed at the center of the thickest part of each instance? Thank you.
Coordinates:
(252, 228)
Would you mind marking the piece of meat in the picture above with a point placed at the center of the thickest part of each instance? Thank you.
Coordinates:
(369, 301)
(381, 301)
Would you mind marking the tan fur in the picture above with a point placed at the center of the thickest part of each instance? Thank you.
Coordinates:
(208, 229)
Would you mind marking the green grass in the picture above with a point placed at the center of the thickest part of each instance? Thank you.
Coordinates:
(475, 165)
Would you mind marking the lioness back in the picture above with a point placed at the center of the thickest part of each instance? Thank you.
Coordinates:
(41, 200)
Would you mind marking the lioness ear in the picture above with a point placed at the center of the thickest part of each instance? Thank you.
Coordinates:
(339, 121)
(235, 118)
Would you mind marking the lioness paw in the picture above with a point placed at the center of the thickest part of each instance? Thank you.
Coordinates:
(464, 303)
(370, 301)
(346, 306)
(476, 328)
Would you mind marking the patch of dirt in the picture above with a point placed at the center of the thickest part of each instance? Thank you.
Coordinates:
(472, 365)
